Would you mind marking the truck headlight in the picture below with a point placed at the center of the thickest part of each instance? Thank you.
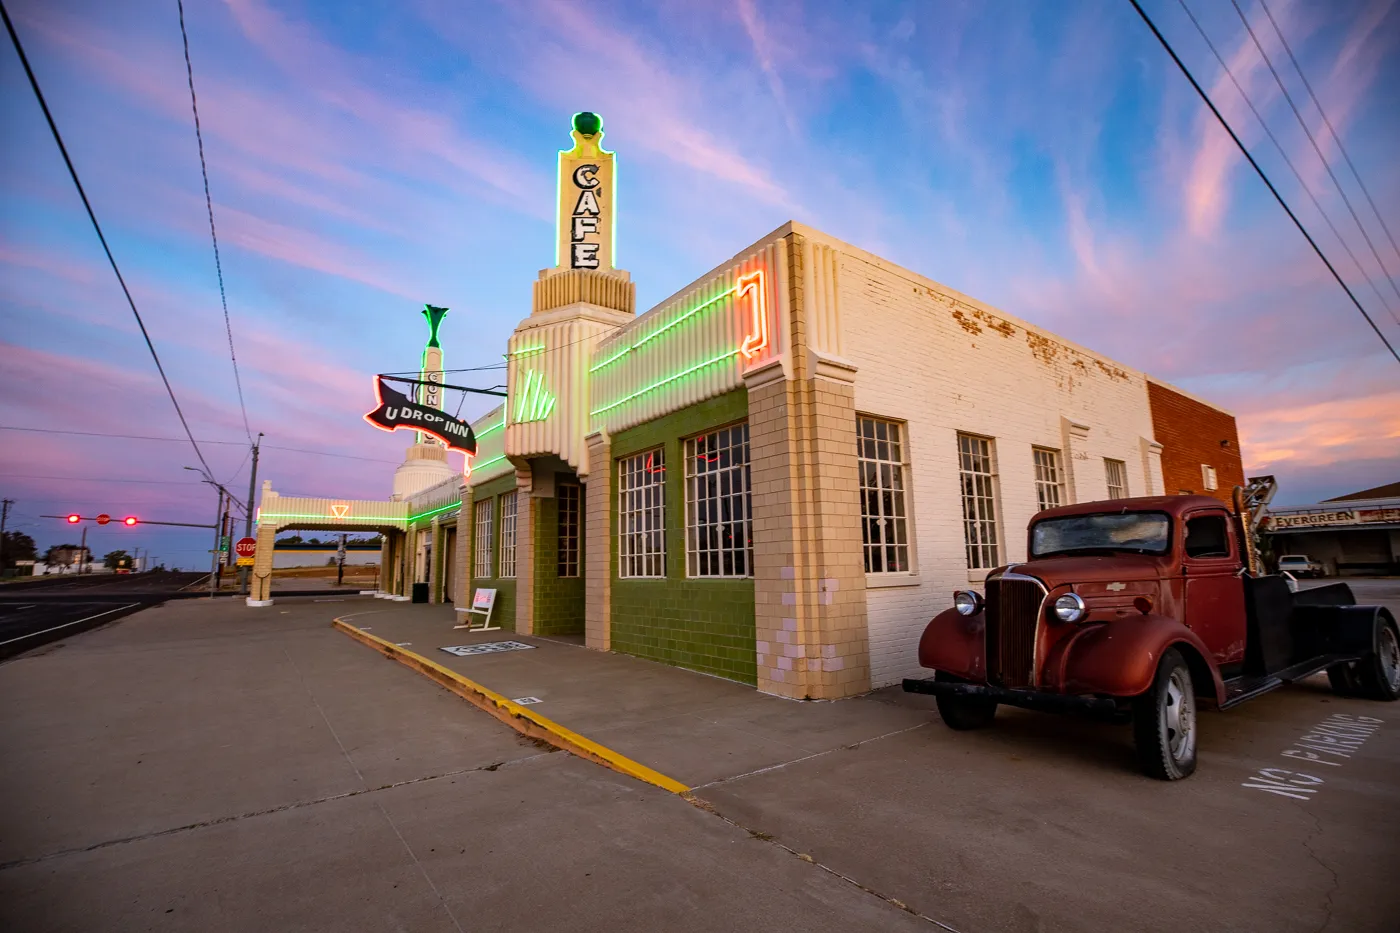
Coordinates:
(1070, 608)
(967, 602)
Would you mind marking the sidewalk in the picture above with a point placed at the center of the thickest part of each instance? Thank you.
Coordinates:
(694, 728)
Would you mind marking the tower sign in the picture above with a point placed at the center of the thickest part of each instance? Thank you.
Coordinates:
(587, 197)
(430, 394)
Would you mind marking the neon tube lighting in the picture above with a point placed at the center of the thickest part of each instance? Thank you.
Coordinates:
(669, 379)
(659, 331)
(327, 518)
(487, 463)
(526, 351)
(449, 506)
(493, 429)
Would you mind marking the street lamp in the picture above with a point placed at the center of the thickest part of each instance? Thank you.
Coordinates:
(218, 514)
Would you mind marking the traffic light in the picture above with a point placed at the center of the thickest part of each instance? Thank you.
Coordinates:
(103, 519)
(129, 520)
(74, 519)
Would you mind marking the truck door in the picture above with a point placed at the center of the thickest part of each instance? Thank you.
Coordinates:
(1215, 608)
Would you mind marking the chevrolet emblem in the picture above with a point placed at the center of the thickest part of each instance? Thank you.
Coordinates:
(1116, 587)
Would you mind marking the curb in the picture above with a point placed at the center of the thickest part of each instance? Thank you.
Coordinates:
(525, 721)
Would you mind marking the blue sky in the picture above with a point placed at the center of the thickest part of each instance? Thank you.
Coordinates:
(367, 158)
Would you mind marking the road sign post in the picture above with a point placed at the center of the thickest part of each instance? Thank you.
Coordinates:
(246, 549)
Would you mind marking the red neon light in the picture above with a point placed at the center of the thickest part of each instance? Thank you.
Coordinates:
(379, 402)
(757, 338)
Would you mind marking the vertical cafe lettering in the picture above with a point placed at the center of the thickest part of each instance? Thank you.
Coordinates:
(583, 230)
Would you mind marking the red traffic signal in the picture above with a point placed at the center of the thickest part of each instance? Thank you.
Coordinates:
(74, 519)
(103, 519)
(129, 520)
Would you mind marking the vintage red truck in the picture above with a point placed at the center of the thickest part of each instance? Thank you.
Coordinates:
(1146, 610)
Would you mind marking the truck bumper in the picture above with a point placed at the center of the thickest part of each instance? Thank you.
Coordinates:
(1026, 699)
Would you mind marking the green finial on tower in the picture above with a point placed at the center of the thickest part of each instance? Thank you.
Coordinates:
(588, 124)
(434, 316)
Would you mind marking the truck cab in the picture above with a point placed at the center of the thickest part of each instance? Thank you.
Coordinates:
(1145, 610)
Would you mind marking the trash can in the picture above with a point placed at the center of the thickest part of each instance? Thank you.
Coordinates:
(420, 592)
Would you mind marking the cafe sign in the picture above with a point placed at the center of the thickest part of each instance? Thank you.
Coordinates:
(586, 198)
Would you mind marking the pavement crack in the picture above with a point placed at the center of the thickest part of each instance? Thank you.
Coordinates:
(769, 839)
(1336, 882)
(251, 814)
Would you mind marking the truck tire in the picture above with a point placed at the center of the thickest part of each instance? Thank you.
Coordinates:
(1378, 674)
(1342, 678)
(964, 713)
(1164, 722)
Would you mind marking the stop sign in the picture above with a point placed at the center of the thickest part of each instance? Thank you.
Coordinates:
(246, 547)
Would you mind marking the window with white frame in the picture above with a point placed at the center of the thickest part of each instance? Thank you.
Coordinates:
(977, 474)
(1049, 482)
(1207, 477)
(718, 518)
(641, 514)
(884, 526)
(482, 562)
(1116, 472)
(508, 501)
(569, 515)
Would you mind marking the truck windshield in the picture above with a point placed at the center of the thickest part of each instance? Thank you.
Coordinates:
(1135, 532)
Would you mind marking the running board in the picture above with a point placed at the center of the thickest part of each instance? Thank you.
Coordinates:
(1240, 689)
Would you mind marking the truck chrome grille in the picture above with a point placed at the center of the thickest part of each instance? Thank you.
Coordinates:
(1013, 611)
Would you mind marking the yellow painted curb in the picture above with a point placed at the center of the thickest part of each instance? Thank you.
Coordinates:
(521, 719)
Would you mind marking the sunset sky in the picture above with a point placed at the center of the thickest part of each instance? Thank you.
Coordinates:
(365, 158)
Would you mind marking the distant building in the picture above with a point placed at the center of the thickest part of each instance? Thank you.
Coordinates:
(1358, 533)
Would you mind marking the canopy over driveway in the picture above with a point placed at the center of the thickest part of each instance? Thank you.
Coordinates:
(393, 520)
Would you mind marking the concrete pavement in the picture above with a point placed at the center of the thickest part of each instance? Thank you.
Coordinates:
(211, 767)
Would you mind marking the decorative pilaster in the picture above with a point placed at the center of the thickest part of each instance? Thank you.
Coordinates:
(1075, 438)
(597, 508)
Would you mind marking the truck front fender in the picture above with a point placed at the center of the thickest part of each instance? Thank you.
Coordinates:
(955, 644)
(1120, 658)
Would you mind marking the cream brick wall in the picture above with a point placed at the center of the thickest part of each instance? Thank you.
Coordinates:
(944, 363)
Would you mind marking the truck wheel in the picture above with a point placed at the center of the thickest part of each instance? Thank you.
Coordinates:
(1164, 722)
(1378, 674)
(1342, 678)
(965, 713)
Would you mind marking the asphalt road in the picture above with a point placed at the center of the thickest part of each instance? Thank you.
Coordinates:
(34, 613)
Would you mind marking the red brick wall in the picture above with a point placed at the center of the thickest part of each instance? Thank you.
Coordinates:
(1190, 434)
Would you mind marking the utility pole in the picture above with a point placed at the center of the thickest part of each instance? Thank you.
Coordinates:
(82, 551)
(214, 551)
(248, 519)
(4, 516)
(340, 568)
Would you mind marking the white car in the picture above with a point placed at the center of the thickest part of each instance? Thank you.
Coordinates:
(1299, 565)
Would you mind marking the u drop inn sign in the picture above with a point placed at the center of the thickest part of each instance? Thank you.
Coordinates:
(397, 410)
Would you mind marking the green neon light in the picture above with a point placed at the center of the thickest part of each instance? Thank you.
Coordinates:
(326, 518)
(533, 403)
(667, 380)
(493, 429)
(659, 331)
(476, 467)
(527, 351)
(434, 316)
(445, 508)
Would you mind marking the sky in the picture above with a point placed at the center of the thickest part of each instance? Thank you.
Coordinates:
(366, 158)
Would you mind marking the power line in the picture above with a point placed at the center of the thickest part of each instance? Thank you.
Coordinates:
(213, 234)
(1260, 171)
(73, 173)
(145, 437)
(1370, 280)
(95, 479)
(1316, 148)
(1340, 148)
